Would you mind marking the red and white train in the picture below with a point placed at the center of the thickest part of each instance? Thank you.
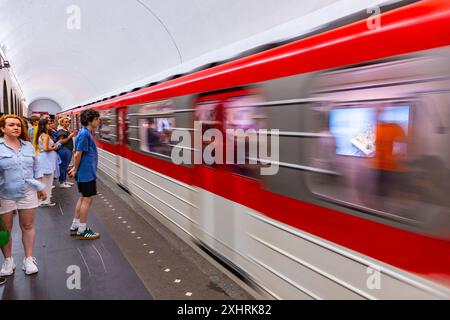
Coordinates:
(328, 225)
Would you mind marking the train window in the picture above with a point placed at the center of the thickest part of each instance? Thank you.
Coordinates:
(244, 118)
(355, 129)
(123, 132)
(367, 146)
(107, 129)
(77, 122)
(206, 113)
(241, 112)
(156, 122)
(127, 129)
(72, 122)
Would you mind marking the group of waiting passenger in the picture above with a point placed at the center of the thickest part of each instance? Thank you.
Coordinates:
(30, 158)
(54, 148)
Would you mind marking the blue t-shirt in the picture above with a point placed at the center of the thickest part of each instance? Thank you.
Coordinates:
(87, 170)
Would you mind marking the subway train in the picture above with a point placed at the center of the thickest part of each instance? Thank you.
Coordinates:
(355, 200)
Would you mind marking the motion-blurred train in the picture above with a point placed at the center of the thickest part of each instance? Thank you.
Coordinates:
(360, 205)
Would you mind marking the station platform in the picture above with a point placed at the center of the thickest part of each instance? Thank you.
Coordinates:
(136, 256)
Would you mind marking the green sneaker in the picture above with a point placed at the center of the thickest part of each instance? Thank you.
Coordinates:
(73, 231)
(88, 234)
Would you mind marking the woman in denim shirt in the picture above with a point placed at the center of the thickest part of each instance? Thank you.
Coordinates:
(19, 189)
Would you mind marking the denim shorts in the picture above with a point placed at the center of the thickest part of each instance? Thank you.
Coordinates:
(28, 201)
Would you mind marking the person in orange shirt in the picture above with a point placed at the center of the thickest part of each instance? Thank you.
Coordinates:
(390, 150)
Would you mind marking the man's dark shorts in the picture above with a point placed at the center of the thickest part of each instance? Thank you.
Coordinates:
(88, 189)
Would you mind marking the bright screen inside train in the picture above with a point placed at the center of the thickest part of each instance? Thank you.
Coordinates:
(354, 129)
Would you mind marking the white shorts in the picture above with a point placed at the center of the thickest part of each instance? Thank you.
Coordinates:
(28, 201)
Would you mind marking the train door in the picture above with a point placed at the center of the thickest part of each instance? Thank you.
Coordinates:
(215, 214)
(220, 219)
(122, 169)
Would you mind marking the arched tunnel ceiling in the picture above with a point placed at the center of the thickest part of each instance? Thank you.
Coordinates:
(121, 44)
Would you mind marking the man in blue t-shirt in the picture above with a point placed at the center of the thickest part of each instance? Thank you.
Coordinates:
(85, 170)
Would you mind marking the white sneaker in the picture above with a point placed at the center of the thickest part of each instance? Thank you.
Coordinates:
(70, 183)
(53, 186)
(8, 267)
(29, 265)
(64, 185)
